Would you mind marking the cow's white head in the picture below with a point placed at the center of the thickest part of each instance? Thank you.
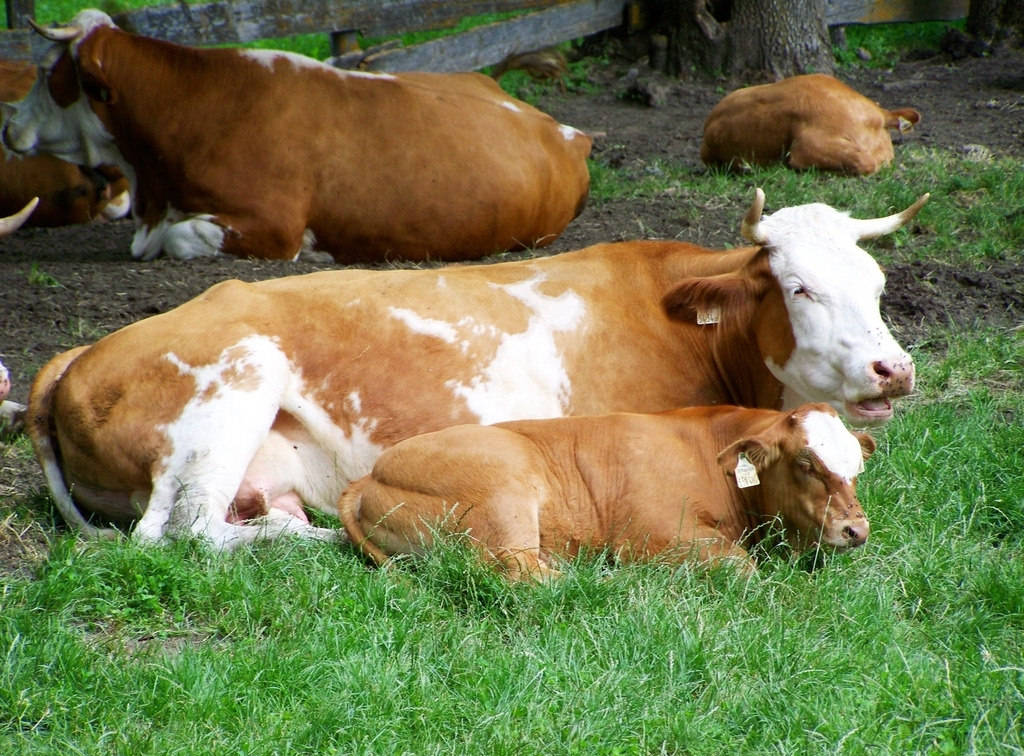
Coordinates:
(811, 301)
(843, 352)
(58, 115)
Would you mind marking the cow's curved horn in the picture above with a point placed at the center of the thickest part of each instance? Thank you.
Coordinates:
(57, 33)
(750, 228)
(869, 228)
(12, 223)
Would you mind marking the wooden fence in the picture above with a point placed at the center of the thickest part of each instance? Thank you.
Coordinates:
(550, 22)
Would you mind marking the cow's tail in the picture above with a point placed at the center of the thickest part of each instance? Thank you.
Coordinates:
(348, 512)
(40, 430)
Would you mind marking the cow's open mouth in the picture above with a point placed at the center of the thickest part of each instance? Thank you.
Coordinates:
(872, 410)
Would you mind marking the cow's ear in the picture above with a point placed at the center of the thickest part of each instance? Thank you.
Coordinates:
(867, 444)
(703, 300)
(94, 81)
(760, 453)
(903, 119)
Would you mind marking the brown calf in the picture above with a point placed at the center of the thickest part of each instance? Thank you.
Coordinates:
(699, 483)
(803, 121)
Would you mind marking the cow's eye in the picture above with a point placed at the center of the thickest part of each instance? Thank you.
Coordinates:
(95, 91)
(801, 291)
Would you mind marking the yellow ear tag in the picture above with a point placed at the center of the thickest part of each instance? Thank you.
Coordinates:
(905, 125)
(710, 316)
(746, 473)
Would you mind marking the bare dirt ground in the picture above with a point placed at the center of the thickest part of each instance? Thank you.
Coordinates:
(95, 287)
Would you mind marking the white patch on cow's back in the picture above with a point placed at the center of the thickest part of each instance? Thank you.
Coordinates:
(509, 105)
(568, 132)
(837, 448)
(268, 59)
(425, 326)
(527, 377)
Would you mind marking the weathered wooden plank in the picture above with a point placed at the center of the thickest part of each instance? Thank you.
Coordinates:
(486, 45)
(246, 20)
(16, 44)
(839, 12)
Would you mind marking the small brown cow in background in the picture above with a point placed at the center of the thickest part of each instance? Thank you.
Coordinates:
(68, 193)
(803, 121)
(701, 483)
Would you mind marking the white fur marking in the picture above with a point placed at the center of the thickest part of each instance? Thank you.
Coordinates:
(511, 106)
(527, 377)
(426, 326)
(568, 132)
(836, 447)
(269, 58)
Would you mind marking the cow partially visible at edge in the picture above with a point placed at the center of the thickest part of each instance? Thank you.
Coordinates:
(701, 484)
(268, 154)
(258, 400)
(68, 193)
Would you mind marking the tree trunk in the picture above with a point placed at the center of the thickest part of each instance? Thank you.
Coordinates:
(750, 40)
(995, 21)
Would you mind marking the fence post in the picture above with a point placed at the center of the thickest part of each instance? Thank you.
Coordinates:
(344, 41)
(18, 11)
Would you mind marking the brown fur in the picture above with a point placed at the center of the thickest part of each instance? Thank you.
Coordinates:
(640, 486)
(416, 165)
(804, 121)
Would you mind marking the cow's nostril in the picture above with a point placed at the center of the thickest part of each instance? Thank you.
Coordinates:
(882, 370)
(854, 535)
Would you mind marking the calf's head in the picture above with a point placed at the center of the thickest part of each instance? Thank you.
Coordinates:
(806, 466)
(812, 297)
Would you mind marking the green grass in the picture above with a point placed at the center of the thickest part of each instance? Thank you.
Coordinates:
(974, 213)
(888, 43)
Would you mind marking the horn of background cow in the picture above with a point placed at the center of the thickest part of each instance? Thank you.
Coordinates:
(750, 227)
(57, 34)
(869, 228)
(12, 223)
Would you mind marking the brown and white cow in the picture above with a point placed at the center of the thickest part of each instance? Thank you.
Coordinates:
(702, 483)
(68, 193)
(803, 121)
(265, 396)
(261, 153)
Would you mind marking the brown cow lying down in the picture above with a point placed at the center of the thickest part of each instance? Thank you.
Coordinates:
(265, 398)
(701, 483)
(803, 121)
(266, 154)
(68, 193)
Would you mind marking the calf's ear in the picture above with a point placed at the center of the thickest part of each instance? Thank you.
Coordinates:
(867, 444)
(760, 453)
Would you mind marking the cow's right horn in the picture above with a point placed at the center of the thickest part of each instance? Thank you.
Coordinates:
(869, 228)
(57, 33)
(750, 228)
(12, 223)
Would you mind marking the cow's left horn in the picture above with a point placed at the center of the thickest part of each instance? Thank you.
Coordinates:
(57, 34)
(12, 223)
(869, 228)
(750, 228)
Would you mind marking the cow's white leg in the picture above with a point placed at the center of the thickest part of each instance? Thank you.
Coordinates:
(198, 236)
(12, 415)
